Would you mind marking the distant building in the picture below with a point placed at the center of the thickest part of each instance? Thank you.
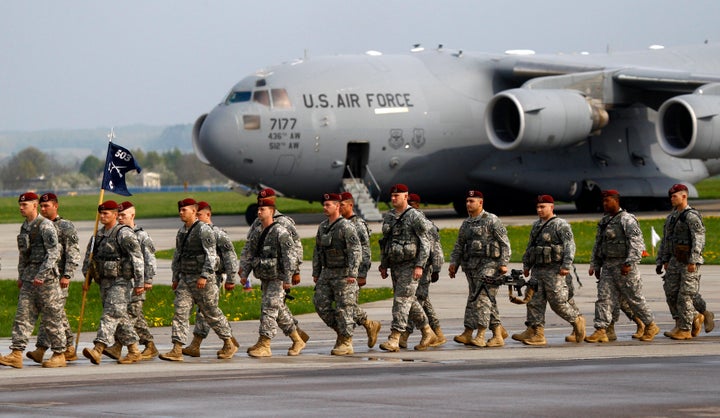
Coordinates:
(149, 180)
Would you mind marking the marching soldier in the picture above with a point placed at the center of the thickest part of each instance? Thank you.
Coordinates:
(67, 264)
(40, 293)
(615, 256)
(336, 260)
(193, 269)
(117, 265)
(270, 257)
(483, 251)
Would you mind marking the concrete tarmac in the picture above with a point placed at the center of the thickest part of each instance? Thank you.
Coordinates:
(623, 378)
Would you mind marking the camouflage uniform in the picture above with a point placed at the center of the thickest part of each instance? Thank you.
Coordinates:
(194, 258)
(682, 244)
(406, 246)
(118, 268)
(67, 264)
(273, 265)
(363, 233)
(288, 223)
(227, 266)
(549, 250)
(618, 242)
(336, 257)
(481, 248)
(38, 259)
(135, 308)
(434, 265)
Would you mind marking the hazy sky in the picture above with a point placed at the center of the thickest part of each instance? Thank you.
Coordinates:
(89, 64)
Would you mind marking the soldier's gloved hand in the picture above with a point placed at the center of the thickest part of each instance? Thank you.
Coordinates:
(435, 276)
(361, 281)
(658, 269)
(296, 279)
(452, 270)
(383, 272)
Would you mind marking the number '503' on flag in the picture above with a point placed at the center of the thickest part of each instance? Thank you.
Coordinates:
(118, 162)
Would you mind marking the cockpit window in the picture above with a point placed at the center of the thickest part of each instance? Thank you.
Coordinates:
(280, 99)
(262, 97)
(238, 97)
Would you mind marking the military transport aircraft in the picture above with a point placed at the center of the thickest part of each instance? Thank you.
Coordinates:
(443, 121)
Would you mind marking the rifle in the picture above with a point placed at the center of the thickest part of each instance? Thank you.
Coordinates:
(288, 296)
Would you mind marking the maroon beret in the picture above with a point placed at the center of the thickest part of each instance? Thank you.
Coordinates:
(266, 202)
(203, 205)
(677, 188)
(346, 196)
(414, 197)
(26, 197)
(399, 188)
(125, 205)
(331, 196)
(545, 198)
(266, 193)
(610, 193)
(47, 197)
(186, 202)
(108, 205)
(474, 193)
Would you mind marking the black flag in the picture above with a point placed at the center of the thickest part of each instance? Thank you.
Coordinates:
(118, 162)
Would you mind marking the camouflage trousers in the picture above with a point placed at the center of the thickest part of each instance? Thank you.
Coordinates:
(202, 328)
(481, 311)
(423, 297)
(42, 337)
(274, 313)
(39, 301)
(612, 288)
(553, 289)
(137, 319)
(680, 288)
(406, 309)
(339, 316)
(206, 299)
(115, 321)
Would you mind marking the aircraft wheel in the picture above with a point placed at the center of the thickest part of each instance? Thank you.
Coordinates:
(251, 213)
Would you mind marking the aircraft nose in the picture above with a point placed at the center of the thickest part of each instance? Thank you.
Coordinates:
(214, 134)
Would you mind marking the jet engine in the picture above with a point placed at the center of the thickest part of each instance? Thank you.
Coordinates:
(689, 126)
(536, 120)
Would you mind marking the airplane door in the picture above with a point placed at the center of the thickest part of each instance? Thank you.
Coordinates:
(356, 160)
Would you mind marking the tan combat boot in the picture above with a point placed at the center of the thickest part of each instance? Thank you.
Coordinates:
(133, 355)
(681, 334)
(537, 337)
(14, 359)
(298, 344)
(439, 337)
(228, 349)
(599, 336)
(610, 331)
(697, 324)
(479, 340)
(193, 350)
(402, 342)
(261, 348)
(175, 354)
(579, 329)
(345, 348)
(709, 321)
(522, 336)
(37, 354)
(650, 332)
(70, 353)
(95, 353)
(674, 330)
(640, 331)
(428, 337)
(392, 343)
(497, 339)
(150, 351)
(114, 351)
(570, 338)
(303, 335)
(465, 338)
(57, 360)
(373, 329)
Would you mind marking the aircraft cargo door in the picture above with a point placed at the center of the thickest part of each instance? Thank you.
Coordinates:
(356, 160)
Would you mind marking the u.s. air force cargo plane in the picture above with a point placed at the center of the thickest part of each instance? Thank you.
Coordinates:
(443, 121)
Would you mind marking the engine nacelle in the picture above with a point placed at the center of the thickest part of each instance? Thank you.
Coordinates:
(535, 120)
(689, 127)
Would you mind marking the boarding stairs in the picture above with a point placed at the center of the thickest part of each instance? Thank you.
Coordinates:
(365, 205)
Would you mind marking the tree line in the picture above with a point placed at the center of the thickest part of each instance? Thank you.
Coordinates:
(33, 169)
